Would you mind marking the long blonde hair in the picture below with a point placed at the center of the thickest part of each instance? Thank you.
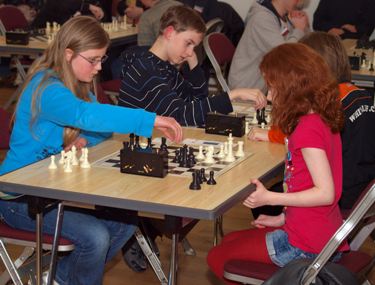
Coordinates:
(78, 34)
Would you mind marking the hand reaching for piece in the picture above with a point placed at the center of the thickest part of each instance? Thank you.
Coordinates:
(169, 127)
(248, 94)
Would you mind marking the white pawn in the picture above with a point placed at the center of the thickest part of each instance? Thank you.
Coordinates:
(226, 148)
(52, 165)
(200, 155)
(85, 163)
(82, 157)
(363, 66)
(263, 125)
(268, 119)
(230, 138)
(62, 157)
(221, 154)
(254, 121)
(240, 152)
(209, 155)
(74, 155)
(230, 157)
(68, 162)
(247, 127)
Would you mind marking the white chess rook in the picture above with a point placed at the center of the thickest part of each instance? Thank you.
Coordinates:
(74, 156)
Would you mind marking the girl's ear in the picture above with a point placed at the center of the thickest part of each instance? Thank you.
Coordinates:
(68, 54)
(168, 32)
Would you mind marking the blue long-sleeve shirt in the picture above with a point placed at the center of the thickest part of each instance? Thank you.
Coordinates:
(157, 86)
(59, 107)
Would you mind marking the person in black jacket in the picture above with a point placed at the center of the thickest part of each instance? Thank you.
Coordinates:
(345, 18)
(358, 136)
(61, 11)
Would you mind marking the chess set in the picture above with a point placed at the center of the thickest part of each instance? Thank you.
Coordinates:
(363, 56)
(157, 159)
(69, 160)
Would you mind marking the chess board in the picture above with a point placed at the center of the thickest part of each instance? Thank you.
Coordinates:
(219, 167)
(250, 112)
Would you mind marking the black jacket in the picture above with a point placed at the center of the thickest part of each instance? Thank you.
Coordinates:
(358, 144)
(335, 13)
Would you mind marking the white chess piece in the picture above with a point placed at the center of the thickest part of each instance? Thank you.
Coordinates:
(226, 148)
(240, 152)
(85, 163)
(74, 156)
(62, 157)
(200, 155)
(209, 155)
(363, 66)
(263, 125)
(48, 28)
(221, 154)
(254, 121)
(68, 162)
(82, 157)
(247, 127)
(230, 138)
(268, 119)
(230, 157)
(52, 165)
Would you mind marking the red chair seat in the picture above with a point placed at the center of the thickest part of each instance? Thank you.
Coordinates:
(111, 85)
(355, 261)
(11, 233)
(4, 129)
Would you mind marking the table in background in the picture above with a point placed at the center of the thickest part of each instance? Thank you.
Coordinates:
(169, 196)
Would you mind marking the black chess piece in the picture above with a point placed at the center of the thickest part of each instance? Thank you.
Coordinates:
(191, 160)
(191, 153)
(258, 117)
(137, 145)
(163, 146)
(131, 140)
(263, 115)
(183, 157)
(195, 185)
(126, 145)
(149, 143)
(203, 175)
(198, 174)
(371, 67)
(211, 180)
(177, 156)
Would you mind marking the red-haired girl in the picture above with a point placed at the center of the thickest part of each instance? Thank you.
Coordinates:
(306, 107)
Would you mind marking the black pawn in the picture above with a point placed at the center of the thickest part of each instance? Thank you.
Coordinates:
(177, 156)
(195, 185)
(371, 67)
(126, 145)
(163, 146)
(191, 160)
(259, 118)
(203, 175)
(191, 153)
(211, 180)
(183, 158)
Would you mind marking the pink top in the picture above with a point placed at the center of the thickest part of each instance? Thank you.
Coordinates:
(310, 228)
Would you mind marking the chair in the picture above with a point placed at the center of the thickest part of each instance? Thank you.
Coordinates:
(4, 129)
(111, 88)
(12, 18)
(220, 51)
(248, 272)
(18, 269)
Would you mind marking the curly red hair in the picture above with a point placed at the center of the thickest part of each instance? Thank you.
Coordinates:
(301, 82)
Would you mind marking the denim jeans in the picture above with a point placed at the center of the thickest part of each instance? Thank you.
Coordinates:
(97, 237)
(282, 252)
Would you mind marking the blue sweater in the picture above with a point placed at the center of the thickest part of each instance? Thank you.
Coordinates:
(59, 107)
(157, 86)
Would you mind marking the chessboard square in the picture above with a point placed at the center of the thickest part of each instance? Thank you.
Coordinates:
(214, 169)
(117, 165)
(183, 169)
(176, 172)
(112, 161)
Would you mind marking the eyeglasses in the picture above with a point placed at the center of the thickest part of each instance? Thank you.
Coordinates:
(95, 62)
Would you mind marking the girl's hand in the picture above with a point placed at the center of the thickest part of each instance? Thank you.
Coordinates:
(257, 134)
(78, 143)
(260, 197)
(169, 127)
(269, 221)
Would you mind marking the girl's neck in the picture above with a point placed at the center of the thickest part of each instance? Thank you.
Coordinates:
(279, 8)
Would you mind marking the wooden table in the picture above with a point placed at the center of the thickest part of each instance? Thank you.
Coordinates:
(169, 196)
(362, 77)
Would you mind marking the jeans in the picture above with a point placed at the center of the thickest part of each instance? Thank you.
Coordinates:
(97, 237)
(282, 252)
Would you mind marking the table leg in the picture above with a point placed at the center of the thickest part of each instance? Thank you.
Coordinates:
(39, 233)
(173, 266)
(56, 238)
